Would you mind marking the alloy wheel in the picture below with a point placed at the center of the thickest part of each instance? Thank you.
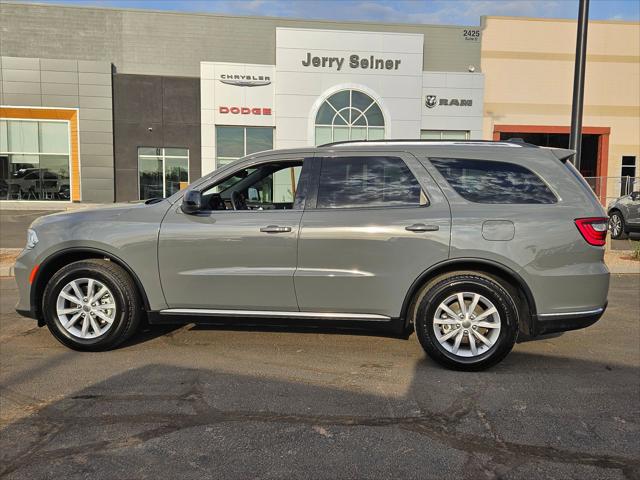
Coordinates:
(86, 308)
(466, 324)
(615, 225)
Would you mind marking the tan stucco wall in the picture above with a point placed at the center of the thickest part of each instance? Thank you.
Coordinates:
(528, 67)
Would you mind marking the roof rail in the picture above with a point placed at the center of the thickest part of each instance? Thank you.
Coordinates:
(512, 142)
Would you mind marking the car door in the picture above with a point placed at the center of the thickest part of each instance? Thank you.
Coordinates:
(373, 223)
(231, 259)
(633, 207)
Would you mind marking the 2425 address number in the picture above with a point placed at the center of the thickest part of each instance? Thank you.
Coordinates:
(471, 35)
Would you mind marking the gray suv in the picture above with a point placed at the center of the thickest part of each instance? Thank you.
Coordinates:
(471, 244)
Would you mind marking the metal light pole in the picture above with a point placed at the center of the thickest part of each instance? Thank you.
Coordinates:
(575, 139)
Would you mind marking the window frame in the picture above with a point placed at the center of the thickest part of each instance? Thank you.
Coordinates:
(407, 159)
(164, 166)
(449, 186)
(467, 134)
(349, 125)
(69, 154)
(302, 187)
(228, 160)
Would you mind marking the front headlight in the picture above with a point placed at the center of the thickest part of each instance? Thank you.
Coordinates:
(32, 239)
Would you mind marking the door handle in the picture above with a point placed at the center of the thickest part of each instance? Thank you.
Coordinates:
(421, 227)
(275, 229)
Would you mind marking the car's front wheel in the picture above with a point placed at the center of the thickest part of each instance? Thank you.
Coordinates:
(616, 225)
(466, 320)
(91, 305)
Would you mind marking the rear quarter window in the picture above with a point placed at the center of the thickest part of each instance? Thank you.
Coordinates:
(487, 181)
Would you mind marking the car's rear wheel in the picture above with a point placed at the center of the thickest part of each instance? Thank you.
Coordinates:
(91, 305)
(466, 320)
(616, 225)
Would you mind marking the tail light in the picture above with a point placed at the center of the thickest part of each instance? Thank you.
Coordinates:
(594, 230)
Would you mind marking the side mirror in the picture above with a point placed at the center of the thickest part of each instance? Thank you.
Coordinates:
(635, 196)
(192, 202)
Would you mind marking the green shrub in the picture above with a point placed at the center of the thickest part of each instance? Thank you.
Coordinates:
(636, 250)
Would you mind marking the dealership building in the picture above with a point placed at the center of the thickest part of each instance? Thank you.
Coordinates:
(99, 104)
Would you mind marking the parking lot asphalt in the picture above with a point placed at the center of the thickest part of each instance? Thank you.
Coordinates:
(247, 402)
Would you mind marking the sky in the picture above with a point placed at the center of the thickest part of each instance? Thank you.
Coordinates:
(450, 12)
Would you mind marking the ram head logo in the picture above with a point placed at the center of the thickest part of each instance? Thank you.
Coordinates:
(431, 101)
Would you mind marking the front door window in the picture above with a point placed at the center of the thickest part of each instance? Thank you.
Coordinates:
(162, 171)
(270, 186)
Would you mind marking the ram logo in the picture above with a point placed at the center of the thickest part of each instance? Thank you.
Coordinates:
(431, 101)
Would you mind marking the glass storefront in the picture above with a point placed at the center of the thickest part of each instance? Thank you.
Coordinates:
(349, 115)
(444, 135)
(236, 142)
(162, 171)
(34, 160)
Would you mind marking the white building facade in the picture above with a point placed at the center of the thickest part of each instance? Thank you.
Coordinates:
(333, 85)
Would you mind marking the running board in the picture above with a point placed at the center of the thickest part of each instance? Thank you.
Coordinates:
(199, 312)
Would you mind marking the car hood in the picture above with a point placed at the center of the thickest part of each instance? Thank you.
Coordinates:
(97, 213)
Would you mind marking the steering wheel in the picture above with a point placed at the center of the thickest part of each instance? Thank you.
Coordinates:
(237, 201)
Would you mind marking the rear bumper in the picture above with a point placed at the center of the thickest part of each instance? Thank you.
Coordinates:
(563, 322)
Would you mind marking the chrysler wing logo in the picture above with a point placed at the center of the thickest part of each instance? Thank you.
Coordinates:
(245, 80)
(430, 101)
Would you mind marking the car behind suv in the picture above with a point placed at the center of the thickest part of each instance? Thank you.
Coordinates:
(624, 215)
(472, 244)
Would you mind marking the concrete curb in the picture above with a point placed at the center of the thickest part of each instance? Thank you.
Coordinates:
(620, 261)
(624, 270)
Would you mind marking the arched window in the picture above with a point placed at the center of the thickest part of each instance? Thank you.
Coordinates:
(349, 115)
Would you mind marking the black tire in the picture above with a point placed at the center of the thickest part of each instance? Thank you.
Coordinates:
(125, 296)
(474, 282)
(614, 232)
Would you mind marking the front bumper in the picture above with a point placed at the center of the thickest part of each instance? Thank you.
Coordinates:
(31, 313)
(22, 269)
(563, 322)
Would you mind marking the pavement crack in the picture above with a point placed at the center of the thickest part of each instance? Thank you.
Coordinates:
(433, 425)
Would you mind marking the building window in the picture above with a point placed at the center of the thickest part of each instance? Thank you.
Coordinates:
(628, 174)
(233, 143)
(444, 135)
(34, 160)
(349, 115)
(162, 171)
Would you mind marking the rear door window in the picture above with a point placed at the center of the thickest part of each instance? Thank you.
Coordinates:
(486, 181)
(363, 181)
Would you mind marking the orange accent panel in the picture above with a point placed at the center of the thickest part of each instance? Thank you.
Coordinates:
(55, 114)
(603, 165)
